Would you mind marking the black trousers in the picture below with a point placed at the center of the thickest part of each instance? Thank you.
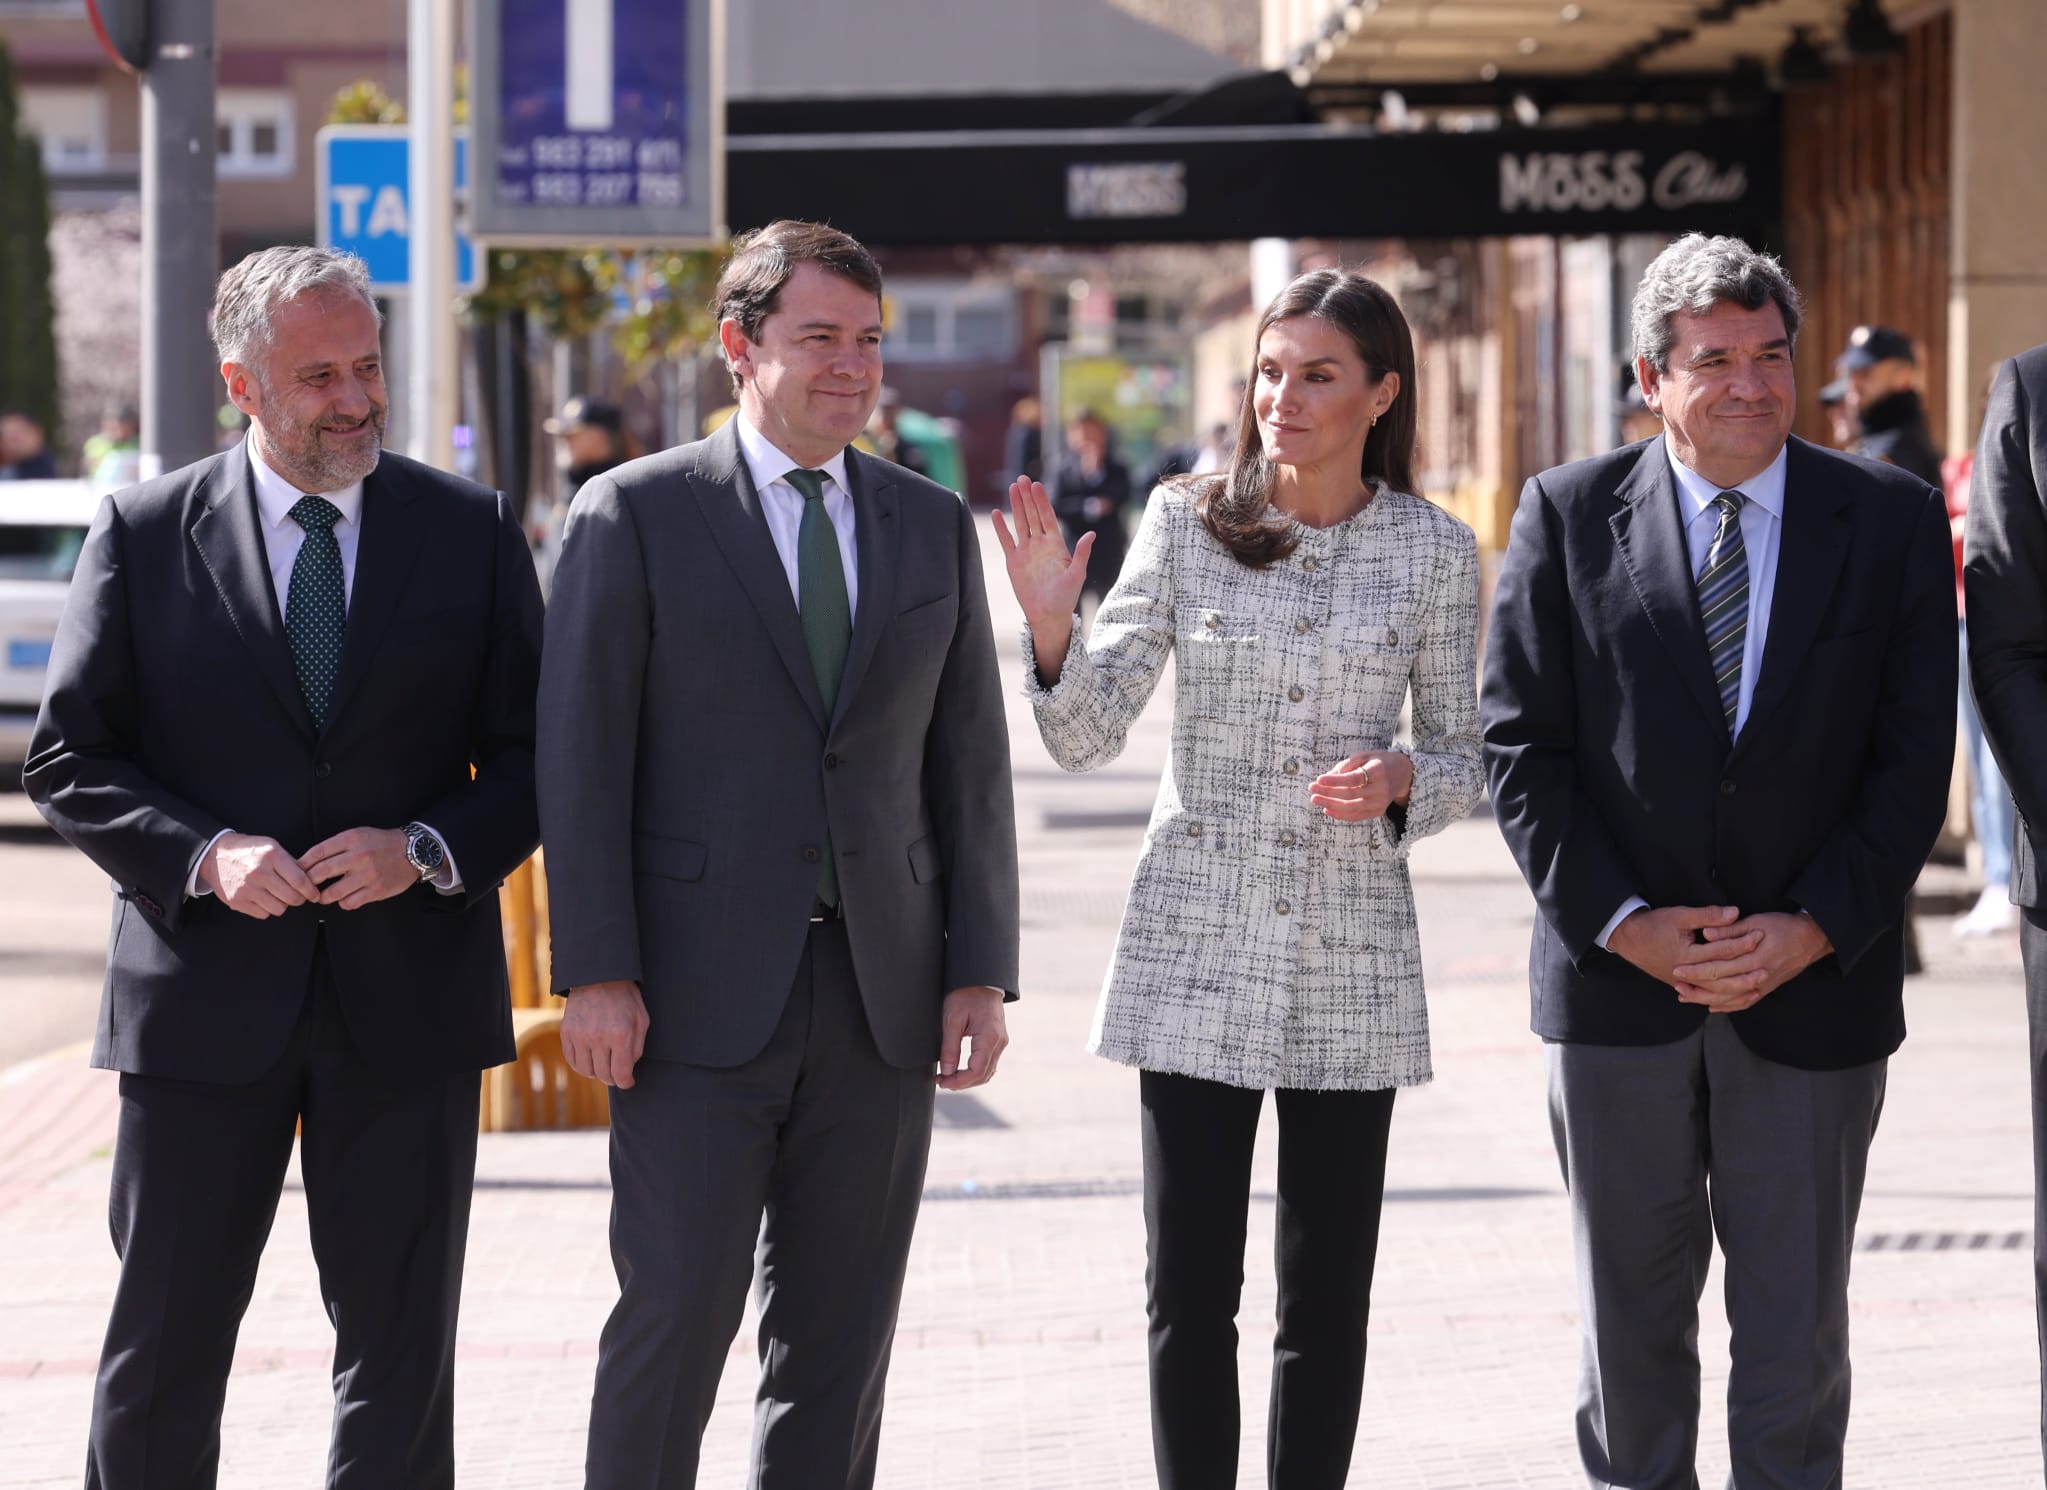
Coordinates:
(1198, 1137)
(815, 1149)
(388, 1159)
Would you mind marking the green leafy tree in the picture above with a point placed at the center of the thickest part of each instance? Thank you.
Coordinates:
(28, 318)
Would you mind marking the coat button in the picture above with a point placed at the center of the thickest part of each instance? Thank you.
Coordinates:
(1212, 622)
(1296, 693)
(323, 770)
(810, 854)
(1726, 788)
(1284, 907)
(1292, 767)
(1194, 830)
(1301, 626)
(1286, 838)
(1311, 564)
(1392, 637)
(831, 761)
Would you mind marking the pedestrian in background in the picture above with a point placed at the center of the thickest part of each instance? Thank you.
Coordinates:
(2005, 574)
(1090, 489)
(1720, 836)
(24, 448)
(774, 779)
(1881, 369)
(1269, 941)
(1840, 423)
(1023, 443)
(113, 456)
(276, 670)
(888, 441)
(590, 438)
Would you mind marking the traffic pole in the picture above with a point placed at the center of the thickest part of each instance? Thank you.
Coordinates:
(181, 388)
(432, 369)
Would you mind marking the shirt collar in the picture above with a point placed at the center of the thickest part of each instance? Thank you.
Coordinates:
(275, 497)
(767, 464)
(1765, 488)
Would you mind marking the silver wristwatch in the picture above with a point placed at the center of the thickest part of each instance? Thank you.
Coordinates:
(423, 850)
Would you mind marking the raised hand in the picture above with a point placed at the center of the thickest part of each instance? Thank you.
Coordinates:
(1046, 578)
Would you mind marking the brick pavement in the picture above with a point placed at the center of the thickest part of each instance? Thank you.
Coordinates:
(1020, 1360)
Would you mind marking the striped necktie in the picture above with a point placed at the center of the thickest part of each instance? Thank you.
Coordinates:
(1723, 603)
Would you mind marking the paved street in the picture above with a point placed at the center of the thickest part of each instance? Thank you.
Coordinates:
(1020, 1361)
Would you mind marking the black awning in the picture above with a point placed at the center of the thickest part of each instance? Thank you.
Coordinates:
(1162, 185)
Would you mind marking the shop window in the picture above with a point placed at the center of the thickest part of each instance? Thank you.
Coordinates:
(255, 133)
(952, 321)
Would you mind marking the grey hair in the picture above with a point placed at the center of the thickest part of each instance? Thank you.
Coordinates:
(1695, 274)
(250, 293)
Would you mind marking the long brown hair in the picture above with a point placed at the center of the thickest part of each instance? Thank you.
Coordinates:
(1233, 505)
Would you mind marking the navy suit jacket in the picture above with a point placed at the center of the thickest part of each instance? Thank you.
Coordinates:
(1613, 774)
(173, 712)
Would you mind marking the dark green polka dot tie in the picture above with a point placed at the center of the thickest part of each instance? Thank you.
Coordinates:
(316, 605)
(827, 618)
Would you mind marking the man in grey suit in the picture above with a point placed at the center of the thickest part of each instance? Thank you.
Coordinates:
(775, 796)
(2004, 572)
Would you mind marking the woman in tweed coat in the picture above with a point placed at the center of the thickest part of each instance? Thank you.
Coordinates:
(1269, 941)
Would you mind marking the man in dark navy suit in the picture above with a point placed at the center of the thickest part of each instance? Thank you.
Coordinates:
(2005, 571)
(1719, 724)
(290, 714)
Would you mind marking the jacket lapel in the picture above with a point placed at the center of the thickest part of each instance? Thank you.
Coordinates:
(723, 489)
(1649, 534)
(876, 538)
(1812, 549)
(393, 527)
(229, 536)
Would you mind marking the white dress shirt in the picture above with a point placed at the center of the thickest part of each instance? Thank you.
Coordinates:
(782, 504)
(1762, 533)
(282, 539)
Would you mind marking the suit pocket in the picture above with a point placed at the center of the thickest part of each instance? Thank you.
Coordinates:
(1186, 883)
(668, 858)
(925, 865)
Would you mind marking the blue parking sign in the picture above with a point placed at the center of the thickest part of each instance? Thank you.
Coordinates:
(364, 177)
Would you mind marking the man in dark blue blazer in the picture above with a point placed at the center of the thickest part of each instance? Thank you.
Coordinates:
(290, 714)
(1719, 725)
(2005, 572)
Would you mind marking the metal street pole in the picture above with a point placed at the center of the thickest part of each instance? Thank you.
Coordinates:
(181, 388)
(430, 105)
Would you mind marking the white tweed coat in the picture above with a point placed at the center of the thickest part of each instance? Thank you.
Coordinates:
(1265, 944)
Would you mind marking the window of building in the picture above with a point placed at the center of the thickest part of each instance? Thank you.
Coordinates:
(71, 122)
(254, 132)
(951, 321)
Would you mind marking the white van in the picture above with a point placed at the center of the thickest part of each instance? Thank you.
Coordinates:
(42, 528)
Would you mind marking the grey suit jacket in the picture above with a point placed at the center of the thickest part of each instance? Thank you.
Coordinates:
(688, 773)
(2004, 573)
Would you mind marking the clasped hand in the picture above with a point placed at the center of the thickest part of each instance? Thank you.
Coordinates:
(1718, 958)
(1362, 786)
(258, 877)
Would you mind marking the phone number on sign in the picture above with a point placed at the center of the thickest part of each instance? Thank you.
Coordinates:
(608, 188)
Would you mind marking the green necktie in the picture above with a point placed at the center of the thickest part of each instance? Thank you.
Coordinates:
(316, 605)
(827, 619)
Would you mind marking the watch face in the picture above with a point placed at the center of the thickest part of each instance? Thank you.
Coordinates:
(427, 851)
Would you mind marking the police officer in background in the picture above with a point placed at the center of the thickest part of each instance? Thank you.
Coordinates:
(1881, 368)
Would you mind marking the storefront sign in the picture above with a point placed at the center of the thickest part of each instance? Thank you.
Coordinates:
(1598, 181)
(1219, 184)
(1133, 190)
